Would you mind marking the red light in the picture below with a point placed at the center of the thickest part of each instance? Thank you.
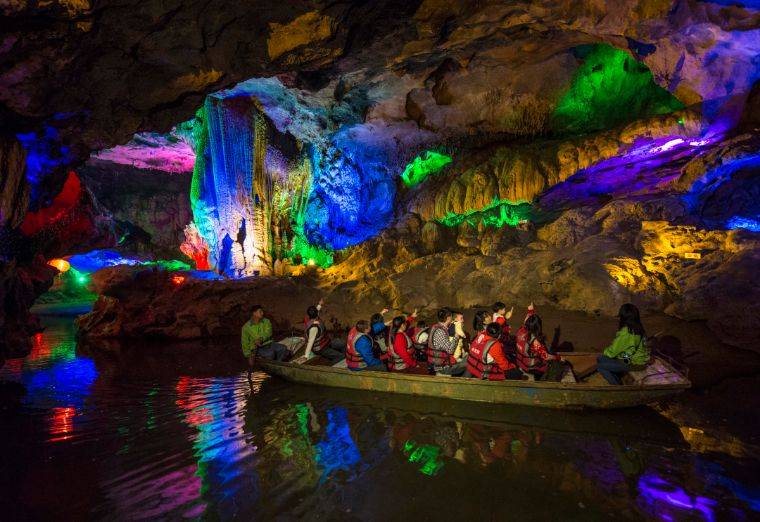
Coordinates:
(178, 279)
(62, 423)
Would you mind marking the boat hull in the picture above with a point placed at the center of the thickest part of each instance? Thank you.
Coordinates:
(542, 394)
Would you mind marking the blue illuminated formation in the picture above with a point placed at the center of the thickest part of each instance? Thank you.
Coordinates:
(745, 223)
(353, 194)
(44, 153)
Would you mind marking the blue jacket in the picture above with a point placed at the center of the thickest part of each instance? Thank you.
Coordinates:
(364, 347)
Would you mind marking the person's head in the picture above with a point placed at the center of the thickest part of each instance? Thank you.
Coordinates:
(534, 326)
(398, 324)
(376, 318)
(480, 320)
(421, 325)
(499, 308)
(457, 317)
(257, 313)
(493, 330)
(444, 316)
(312, 312)
(629, 318)
(362, 326)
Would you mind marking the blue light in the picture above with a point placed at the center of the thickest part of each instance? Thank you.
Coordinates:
(745, 223)
(337, 451)
(353, 194)
(44, 154)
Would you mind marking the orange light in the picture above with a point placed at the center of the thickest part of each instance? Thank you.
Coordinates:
(60, 264)
(62, 425)
(178, 279)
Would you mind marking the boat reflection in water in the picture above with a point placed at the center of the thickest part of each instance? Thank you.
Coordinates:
(157, 435)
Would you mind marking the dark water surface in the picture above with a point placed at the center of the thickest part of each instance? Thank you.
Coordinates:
(182, 434)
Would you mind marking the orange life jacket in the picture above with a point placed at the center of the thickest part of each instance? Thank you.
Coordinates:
(477, 360)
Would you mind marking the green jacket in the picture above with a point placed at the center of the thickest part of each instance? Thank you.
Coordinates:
(252, 334)
(628, 343)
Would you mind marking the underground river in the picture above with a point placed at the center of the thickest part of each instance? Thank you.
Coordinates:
(174, 433)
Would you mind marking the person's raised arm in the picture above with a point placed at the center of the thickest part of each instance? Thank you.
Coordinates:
(311, 337)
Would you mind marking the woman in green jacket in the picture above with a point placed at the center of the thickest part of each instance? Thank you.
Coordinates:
(629, 349)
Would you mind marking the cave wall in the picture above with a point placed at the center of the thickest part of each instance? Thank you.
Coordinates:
(150, 208)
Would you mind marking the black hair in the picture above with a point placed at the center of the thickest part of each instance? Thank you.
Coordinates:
(443, 314)
(255, 308)
(312, 312)
(395, 325)
(421, 325)
(498, 305)
(479, 322)
(494, 330)
(534, 326)
(362, 325)
(630, 318)
(376, 318)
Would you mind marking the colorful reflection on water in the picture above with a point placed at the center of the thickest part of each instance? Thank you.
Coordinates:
(97, 439)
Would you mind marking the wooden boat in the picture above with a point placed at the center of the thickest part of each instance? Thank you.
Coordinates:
(659, 381)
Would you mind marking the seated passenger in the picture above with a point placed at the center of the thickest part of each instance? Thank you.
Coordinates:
(480, 321)
(400, 345)
(256, 339)
(420, 334)
(456, 329)
(318, 341)
(501, 316)
(440, 351)
(486, 359)
(532, 354)
(378, 332)
(359, 349)
(628, 350)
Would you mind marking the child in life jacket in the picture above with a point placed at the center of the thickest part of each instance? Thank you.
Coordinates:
(533, 356)
(501, 316)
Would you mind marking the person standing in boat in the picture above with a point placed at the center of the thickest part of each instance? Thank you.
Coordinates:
(440, 352)
(486, 359)
(318, 341)
(256, 339)
(359, 354)
(400, 345)
(628, 350)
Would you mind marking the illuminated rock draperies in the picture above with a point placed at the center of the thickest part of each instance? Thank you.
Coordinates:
(231, 188)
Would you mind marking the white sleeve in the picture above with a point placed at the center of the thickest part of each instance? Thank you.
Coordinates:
(310, 343)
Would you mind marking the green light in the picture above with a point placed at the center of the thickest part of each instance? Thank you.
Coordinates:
(79, 277)
(423, 166)
(497, 214)
(426, 454)
(610, 88)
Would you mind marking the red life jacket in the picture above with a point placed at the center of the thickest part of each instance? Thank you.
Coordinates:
(527, 358)
(434, 355)
(477, 360)
(322, 340)
(354, 359)
(395, 362)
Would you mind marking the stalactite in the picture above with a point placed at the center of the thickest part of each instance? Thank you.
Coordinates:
(262, 195)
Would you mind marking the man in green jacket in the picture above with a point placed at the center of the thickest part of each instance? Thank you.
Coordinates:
(256, 339)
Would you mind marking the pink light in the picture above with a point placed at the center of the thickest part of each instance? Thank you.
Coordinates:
(152, 151)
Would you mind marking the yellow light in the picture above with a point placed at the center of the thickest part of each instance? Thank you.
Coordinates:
(60, 264)
(311, 262)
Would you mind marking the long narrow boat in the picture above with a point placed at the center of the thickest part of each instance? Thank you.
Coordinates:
(658, 382)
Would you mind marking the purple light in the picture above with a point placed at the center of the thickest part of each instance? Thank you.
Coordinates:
(660, 494)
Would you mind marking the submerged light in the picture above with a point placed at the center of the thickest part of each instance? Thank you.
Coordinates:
(60, 264)
(178, 279)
